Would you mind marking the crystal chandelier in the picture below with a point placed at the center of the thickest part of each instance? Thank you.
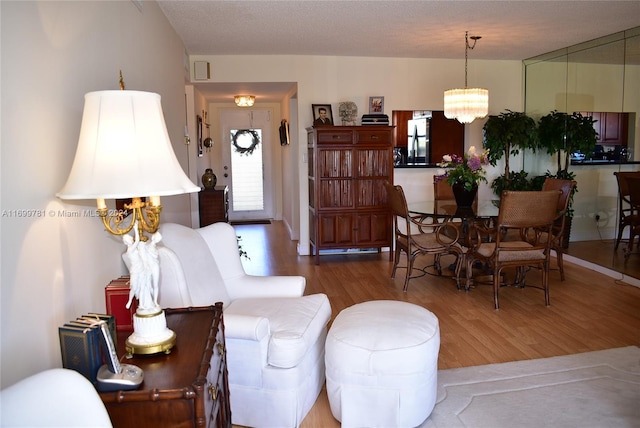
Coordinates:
(466, 104)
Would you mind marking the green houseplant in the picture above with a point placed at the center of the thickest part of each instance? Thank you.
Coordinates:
(563, 134)
(505, 135)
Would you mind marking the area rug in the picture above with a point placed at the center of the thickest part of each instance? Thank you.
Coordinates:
(594, 389)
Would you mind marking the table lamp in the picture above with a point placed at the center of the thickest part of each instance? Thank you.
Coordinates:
(124, 152)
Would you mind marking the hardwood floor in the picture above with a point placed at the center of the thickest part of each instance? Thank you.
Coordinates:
(589, 311)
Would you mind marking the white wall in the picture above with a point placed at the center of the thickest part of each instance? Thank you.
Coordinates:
(406, 84)
(55, 268)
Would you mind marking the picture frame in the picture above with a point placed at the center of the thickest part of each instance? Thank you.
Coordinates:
(320, 119)
(376, 105)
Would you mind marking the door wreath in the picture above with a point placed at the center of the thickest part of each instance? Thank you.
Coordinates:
(255, 140)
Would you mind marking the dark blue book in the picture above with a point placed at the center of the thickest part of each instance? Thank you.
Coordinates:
(109, 319)
(80, 349)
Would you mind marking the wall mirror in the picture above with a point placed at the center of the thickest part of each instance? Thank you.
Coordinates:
(600, 77)
(597, 77)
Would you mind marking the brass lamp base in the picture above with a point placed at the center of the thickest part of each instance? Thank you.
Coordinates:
(148, 349)
(150, 335)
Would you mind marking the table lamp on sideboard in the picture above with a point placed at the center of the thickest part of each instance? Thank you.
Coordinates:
(124, 152)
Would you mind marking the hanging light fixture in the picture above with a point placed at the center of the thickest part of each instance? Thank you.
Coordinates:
(466, 104)
(245, 100)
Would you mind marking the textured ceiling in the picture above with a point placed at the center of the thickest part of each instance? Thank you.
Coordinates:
(510, 30)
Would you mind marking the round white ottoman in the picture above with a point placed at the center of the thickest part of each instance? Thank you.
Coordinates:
(382, 363)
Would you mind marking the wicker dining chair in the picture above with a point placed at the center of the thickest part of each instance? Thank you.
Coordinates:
(560, 224)
(415, 237)
(634, 219)
(625, 208)
(532, 215)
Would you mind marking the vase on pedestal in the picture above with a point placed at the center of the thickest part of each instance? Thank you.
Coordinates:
(464, 197)
(209, 179)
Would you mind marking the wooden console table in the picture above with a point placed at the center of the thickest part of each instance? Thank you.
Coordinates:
(214, 205)
(186, 388)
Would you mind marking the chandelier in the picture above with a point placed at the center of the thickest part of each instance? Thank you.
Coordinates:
(466, 104)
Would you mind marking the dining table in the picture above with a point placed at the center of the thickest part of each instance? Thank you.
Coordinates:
(469, 219)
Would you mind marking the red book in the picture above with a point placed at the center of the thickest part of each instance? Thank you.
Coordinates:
(117, 296)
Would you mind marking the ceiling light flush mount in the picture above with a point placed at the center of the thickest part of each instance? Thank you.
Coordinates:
(466, 104)
(245, 100)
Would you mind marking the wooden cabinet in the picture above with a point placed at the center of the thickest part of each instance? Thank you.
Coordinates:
(214, 205)
(446, 136)
(348, 166)
(612, 128)
(186, 388)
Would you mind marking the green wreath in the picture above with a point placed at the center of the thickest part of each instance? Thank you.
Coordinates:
(255, 140)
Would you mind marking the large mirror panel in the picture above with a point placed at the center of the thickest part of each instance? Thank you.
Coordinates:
(600, 78)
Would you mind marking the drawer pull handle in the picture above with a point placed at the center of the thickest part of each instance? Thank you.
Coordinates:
(213, 392)
(374, 137)
(220, 346)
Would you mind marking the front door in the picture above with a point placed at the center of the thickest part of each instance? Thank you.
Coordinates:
(246, 163)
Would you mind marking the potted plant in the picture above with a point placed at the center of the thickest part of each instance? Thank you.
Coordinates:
(464, 173)
(507, 134)
(517, 181)
(563, 134)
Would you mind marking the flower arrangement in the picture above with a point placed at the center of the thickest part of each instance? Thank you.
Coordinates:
(467, 170)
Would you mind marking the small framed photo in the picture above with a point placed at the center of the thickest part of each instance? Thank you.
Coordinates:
(376, 105)
(322, 115)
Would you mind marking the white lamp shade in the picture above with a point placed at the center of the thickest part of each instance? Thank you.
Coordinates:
(466, 104)
(124, 150)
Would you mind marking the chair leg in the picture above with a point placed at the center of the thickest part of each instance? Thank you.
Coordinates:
(410, 259)
(469, 271)
(620, 233)
(545, 283)
(559, 253)
(396, 261)
(496, 287)
(459, 261)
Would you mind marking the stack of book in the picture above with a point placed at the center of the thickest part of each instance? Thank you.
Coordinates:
(375, 119)
(83, 346)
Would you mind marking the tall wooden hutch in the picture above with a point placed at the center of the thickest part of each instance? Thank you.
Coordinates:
(348, 166)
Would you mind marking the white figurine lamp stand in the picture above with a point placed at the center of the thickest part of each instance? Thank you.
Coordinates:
(150, 332)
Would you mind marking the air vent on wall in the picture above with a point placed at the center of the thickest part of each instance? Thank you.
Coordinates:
(201, 70)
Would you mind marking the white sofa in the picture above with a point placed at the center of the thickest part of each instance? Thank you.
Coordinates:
(275, 336)
(53, 398)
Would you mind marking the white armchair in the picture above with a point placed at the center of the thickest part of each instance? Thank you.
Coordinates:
(53, 398)
(275, 336)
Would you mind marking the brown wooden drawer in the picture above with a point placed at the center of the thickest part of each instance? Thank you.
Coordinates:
(335, 137)
(374, 136)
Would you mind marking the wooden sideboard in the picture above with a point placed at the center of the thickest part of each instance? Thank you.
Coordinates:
(214, 205)
(185, 388)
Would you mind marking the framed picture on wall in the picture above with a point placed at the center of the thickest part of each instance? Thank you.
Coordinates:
(322, 115)
(376, 105)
